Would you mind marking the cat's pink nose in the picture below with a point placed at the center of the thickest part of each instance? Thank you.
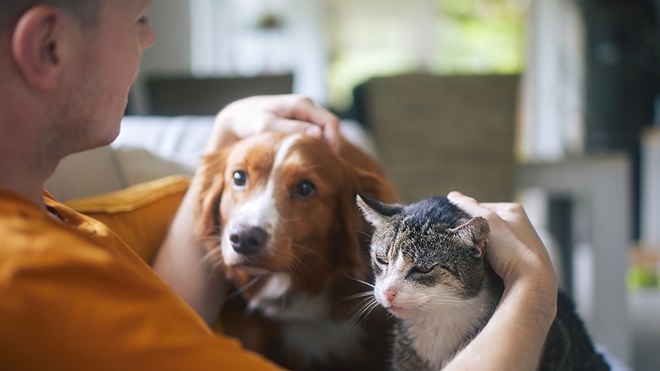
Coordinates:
(390, 294)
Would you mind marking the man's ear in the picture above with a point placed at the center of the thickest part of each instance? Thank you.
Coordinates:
(38, 45)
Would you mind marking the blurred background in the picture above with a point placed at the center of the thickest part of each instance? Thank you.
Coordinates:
(553, 103)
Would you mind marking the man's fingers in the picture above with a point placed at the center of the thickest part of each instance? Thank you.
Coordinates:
(467, 204)
(330, 136)
(283, 125)
(305, 110)
(281, 113)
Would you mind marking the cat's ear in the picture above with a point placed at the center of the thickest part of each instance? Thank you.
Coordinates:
(376, 212)
(474, 233)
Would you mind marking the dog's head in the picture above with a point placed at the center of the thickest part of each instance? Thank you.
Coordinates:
(283, 206)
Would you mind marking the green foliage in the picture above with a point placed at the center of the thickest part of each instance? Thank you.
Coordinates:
(480, 36)
(470, 37)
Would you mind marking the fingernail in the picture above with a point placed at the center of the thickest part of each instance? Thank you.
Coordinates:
(453, 195)
(314, 131)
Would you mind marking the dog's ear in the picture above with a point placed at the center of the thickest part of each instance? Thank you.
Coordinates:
(207, 205)
(366, 177)
(354, 238)
(374, 185)
(354, 243)
(371, 179)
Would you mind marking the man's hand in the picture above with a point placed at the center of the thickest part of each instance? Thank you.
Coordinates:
(516, 251)
(282, 113)
(513, 338)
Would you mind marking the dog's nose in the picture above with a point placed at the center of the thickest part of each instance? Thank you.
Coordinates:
(248, 240)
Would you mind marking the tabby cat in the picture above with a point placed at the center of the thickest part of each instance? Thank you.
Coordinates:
(428, 259)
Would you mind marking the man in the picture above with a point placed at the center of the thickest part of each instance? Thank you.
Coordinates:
(73, 296)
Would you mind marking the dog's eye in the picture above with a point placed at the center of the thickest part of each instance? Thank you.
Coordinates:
(240, 178)
(304, 189)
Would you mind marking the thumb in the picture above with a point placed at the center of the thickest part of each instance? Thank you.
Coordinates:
(467, 204)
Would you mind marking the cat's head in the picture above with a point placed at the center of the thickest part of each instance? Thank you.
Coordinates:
(426, 255)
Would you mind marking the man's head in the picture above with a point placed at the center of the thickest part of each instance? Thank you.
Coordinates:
(85, 11)
(70, 64)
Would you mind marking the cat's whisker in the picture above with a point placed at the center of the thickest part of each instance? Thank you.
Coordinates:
(373, 306)
(367, 306)
(354, 321)
(364, 295)
(438, 308)
(359, 295)
(445, 300)
(448, 296)
(364, 233)
(360, 281)
(360, 306)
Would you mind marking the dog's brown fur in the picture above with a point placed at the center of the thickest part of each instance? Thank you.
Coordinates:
(321, 243)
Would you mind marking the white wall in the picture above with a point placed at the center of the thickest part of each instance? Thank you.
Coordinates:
(552, 110)
(208, 37)
(170, 21)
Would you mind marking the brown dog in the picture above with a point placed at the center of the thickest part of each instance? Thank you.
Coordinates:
(278, 214)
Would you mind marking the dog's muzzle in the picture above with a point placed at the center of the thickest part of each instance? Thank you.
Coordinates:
(248, 240)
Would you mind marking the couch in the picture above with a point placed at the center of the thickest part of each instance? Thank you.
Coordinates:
(149, 148)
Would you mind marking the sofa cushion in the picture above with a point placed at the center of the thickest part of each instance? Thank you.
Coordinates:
(140, 215)
(86, 173)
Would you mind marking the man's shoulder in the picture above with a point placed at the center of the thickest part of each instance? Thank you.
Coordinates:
(33, 236)
(19, 217)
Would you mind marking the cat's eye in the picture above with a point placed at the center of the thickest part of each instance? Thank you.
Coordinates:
(239, 178)
(381, 261)
(423, 270)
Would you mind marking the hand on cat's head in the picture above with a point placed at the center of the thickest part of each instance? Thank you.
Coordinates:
(516, 251)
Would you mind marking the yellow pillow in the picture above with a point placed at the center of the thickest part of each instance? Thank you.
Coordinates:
(140, 215)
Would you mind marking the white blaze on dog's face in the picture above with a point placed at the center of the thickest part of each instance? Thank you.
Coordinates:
(254, 220)
(284, 208)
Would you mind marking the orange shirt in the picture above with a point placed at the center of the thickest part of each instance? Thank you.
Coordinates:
(73, 296)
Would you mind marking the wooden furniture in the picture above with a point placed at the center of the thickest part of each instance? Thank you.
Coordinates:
(436, 134)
